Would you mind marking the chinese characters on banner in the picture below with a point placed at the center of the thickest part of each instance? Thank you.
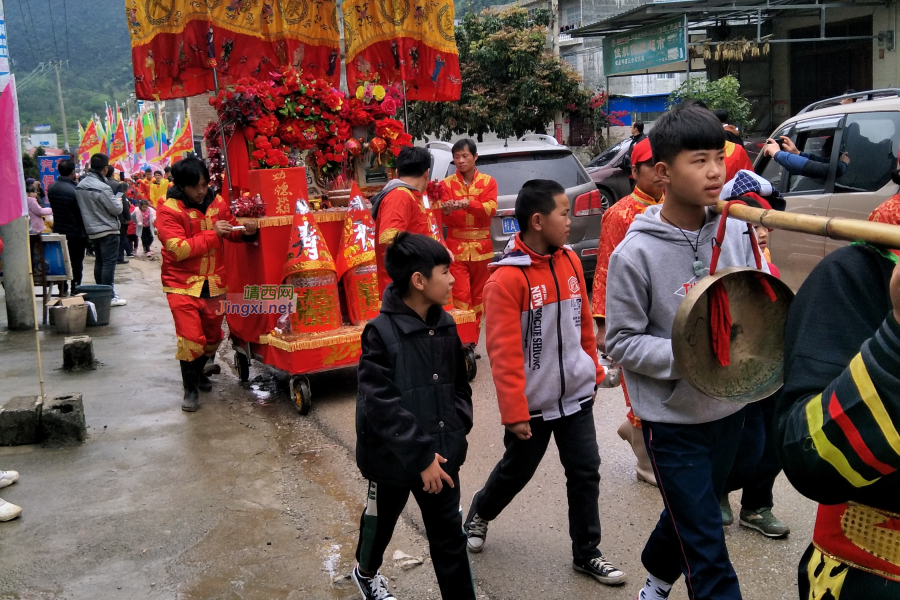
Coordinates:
(280, 187)
(645, 48)
(47, 169)
(176, 43)
(403, 40)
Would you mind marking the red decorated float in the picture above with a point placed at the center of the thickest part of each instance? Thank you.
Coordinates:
(303, 158)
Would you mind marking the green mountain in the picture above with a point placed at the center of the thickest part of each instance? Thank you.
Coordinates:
(92, 35)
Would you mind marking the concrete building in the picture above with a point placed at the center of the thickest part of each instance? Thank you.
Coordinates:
(786, 54)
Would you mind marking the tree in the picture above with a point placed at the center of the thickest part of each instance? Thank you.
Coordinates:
(511, 83)
(724, 93)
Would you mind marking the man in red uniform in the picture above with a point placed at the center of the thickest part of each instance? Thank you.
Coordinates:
(648, 191)
(400, 206)
(468, 228)
(192, 224)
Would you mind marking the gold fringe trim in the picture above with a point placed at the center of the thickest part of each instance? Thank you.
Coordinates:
(294, 342)
(321, 216)
(462, 316)
(365, 257)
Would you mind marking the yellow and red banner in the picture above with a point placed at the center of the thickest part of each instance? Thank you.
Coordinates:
(390, 41)
(90, 142)
(176, 43)
(118, 147)
(183, 142)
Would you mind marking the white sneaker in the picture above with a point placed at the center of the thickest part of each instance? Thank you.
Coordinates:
(9, 511)
(476, 533)
(116, 301)
(8, 478)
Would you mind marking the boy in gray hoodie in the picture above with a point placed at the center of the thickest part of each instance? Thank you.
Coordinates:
(691, 438)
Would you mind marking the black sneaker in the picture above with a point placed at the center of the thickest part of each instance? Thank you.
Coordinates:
(476, 533)
(371, 588)
(600, 569)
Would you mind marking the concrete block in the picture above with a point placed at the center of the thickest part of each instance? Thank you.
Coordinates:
(62, 420)
(78, 353)
(19, 420)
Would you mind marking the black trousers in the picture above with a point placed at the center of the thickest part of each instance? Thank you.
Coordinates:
(133, 242)
(77, 245)
(756, 466)
(443, 526)
(692, 464)
(124, 245)
(106, 252)
(576, 439)
(146, 238)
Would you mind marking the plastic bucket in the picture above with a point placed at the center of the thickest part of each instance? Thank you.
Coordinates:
(70, 319)
(101, 296)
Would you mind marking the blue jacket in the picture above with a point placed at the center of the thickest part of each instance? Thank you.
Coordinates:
(808, 164)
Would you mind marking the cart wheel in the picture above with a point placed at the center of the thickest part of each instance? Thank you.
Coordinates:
(471, 365)
(301, 394)
(242, 364)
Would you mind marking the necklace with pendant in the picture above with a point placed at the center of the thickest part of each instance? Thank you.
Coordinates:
(697, 264)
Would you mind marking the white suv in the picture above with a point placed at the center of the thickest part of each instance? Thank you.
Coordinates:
(866, 133)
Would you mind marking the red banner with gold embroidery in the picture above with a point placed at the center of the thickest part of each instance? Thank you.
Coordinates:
(307, 251)
(358, 236)
(175, 43)
(390, 41)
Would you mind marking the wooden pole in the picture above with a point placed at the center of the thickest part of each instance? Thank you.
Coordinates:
(836, 228)
(37, 323)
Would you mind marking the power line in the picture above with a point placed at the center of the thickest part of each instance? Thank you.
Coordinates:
(27, 36)
(66, 22)
(52, 28)
(31, 18)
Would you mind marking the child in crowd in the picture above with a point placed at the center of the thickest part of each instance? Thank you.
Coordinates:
(144, 219)
(540, 341)
(413, 412)
(691, 438)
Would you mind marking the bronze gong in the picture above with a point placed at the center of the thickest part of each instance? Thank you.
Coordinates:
(757, 337)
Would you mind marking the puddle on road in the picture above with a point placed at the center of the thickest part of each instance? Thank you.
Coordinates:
(265, 390)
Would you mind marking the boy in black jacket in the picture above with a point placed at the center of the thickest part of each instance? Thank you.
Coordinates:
(413, 412)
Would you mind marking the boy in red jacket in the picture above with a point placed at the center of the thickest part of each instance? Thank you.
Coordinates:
(540, 341)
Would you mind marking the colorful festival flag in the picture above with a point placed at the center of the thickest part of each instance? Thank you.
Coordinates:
(175, 44)
(403, 41)
(90, 142)
(12, 178)
(183, 143)
(118, 147)
(161, 128)
(149, 138)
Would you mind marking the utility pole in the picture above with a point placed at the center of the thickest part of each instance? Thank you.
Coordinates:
(62, 107)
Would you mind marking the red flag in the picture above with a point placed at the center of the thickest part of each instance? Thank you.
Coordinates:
(412, 42)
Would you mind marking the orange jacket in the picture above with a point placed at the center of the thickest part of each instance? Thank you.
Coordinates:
(401, 209)
(613, 227)
(540, 338)
(468, 230)
(192, 252)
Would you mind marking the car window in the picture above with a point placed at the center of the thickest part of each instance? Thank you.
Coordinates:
(869, 150)
(513, 170)
(814, 138)
(605, 157)
(771, 170)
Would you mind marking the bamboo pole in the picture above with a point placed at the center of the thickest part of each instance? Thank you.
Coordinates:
(836, 228)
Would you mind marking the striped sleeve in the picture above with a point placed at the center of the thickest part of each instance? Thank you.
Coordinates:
(835, 417)
(851, 423)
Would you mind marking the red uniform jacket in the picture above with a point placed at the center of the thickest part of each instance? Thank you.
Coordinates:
(468, 231)
(401, 209)
(613, 227)
(192, 252)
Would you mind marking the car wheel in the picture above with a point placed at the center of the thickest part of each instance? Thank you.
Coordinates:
(606, 199)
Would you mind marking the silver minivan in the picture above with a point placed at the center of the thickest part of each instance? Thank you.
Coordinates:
(533, 157)
(866, 133)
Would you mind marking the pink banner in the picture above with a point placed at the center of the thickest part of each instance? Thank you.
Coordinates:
(12, 179)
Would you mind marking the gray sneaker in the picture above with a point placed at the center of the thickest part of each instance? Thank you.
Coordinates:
(727, 514)
(764, 522)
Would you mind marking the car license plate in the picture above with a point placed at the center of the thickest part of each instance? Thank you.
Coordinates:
(510, 225)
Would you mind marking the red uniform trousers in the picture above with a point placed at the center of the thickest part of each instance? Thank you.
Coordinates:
(468, 286)
(198, 327)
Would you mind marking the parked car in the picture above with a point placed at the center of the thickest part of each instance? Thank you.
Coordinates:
(868, 132)
(533, 157)
(606, 171)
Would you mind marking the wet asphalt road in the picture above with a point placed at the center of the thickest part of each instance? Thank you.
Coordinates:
(247, 500)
